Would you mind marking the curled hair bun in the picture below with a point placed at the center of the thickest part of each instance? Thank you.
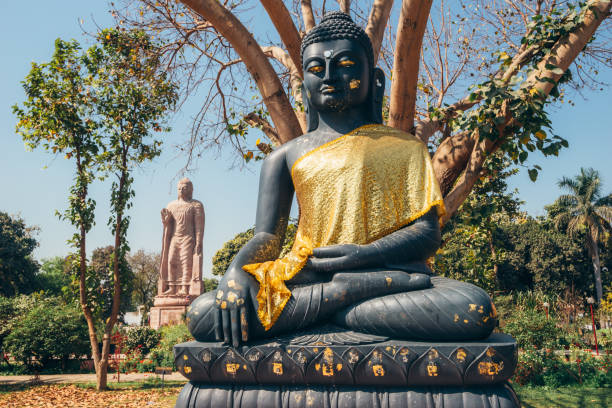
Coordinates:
(338, 25)
(337, 15)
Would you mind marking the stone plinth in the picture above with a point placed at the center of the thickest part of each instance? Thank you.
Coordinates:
(168, 310)
(332, 364)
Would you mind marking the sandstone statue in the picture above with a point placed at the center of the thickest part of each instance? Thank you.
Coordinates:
(181, 264)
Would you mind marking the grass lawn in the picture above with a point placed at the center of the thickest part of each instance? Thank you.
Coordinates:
(565, 397)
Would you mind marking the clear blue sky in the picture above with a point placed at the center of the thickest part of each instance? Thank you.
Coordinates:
(229, 195)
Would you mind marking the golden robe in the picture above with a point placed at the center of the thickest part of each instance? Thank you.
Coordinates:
(355, 189)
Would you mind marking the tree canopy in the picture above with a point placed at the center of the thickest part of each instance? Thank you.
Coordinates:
(17, 266)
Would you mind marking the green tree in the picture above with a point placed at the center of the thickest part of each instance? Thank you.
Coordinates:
(17, 268)
(224, 256)
(54, 276)
(145, 267)
(58, 116)
(585, 209)
(473, 247)
(101, 108)
(541, 258)
(100, 283)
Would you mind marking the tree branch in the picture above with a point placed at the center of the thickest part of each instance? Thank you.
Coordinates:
(294, 80)
(410, 31)
(286, 29)
(307, 15)
(256, 63)
(377, 21)
(255, 120)
(564, 52)
(345, 5)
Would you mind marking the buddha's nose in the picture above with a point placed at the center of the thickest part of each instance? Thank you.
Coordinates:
(328, 71)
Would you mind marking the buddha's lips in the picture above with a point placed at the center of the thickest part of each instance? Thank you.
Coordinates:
(327, 89)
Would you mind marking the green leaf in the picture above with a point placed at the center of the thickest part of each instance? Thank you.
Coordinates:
(533, 174)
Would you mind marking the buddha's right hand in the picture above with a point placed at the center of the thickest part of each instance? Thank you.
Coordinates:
(231, 319)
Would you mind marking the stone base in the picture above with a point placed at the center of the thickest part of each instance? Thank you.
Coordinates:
(253, 396)
(166, 315)
(333, 356)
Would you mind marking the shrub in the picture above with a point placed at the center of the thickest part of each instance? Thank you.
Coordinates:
(49, 330)
(163, 354)
(544, 368)
(531, 328)
(142, 338)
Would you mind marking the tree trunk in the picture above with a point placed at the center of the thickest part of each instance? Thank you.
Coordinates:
(91, 327)
(286, 29)
(102, 375)
(377, 22)
(256, 62)
(596, 265)
(407, 57)
(307, 15)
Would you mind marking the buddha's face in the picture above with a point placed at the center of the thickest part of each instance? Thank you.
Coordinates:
(185, 191)
(336, 75)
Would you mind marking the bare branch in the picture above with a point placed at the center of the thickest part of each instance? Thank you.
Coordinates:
(255, 120)
(256, 62)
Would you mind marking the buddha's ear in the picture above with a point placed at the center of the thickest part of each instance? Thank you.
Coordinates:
(312, 117)
(377, 93)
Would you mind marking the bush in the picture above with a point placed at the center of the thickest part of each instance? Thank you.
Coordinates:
(49, 330)
(532, 328)
(163, 354)
(544, 368)
(141, 338)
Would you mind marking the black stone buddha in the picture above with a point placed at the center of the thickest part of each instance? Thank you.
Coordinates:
(369, 209)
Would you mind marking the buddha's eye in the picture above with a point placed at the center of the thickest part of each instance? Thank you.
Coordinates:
(316, 69)
(346, 63)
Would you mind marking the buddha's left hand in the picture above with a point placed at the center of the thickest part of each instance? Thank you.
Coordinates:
(335, 258)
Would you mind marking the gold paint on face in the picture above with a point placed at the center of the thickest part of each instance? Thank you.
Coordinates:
(346, 63)
(354, 84)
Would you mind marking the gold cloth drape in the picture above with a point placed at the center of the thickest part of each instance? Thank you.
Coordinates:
(355, 189)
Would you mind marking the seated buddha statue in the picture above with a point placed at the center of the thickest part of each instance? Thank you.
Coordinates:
(369, 208)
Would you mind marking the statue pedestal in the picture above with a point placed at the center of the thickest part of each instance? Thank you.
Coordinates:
(169, 309)
(348, 369)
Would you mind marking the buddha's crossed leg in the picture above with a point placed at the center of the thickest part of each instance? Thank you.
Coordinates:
(392, 303)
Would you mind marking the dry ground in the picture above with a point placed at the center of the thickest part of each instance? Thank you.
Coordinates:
(48, 396)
